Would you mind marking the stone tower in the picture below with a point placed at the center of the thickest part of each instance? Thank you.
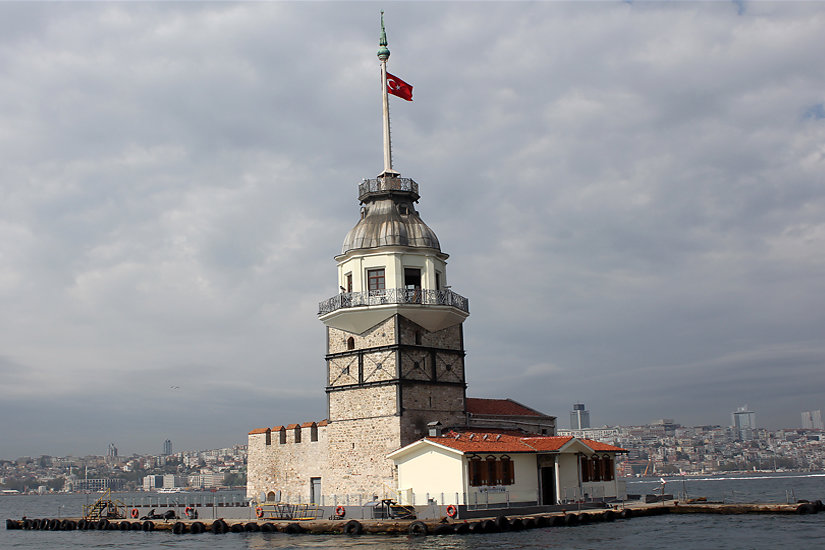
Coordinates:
(395, 350)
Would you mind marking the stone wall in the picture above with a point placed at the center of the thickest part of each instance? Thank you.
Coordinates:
(380, 335)
(286, 467)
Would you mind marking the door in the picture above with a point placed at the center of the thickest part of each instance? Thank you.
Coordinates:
(548, 485)
(315, 490)
(412, 285)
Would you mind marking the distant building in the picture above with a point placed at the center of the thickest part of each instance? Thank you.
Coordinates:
(744, 424)
(605, 435)
(167, 447)
(152, 482)
(812, 420)
(171, 481)
(579, 417)
(100, 484)
(112, 450)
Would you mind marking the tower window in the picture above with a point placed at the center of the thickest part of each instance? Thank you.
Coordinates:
(350, 343)
(417, 337)
(363, 212)
(437, 280)
(376, 279)
(404, 209)
(349, 282)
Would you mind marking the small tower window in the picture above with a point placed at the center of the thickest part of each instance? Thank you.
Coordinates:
(350, 343)
(269, 436)
(404, 209)
(417, 337)
(363, 212)
(298, 434)
(349, 282)
(282, 435)
(313, 432)
(376, 280)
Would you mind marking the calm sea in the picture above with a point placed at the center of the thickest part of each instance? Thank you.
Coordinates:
(671, 531)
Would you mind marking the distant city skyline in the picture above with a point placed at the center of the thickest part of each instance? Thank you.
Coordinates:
(629, 193)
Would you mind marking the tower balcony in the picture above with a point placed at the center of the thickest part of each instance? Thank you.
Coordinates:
(381, 186)
(358, 311)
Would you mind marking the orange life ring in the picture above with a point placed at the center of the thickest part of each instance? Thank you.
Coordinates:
(188, 512)
(452, 510)
(259, 512)
(340, 511)
(135, 513)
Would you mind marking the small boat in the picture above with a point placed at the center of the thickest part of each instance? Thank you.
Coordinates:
(169, 490)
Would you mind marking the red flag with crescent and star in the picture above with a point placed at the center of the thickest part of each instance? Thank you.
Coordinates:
(398, 87)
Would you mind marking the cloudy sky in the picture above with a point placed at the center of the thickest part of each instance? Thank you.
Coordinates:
(632, 195)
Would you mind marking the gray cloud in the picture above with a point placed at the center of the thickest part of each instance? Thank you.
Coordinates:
(632, 196)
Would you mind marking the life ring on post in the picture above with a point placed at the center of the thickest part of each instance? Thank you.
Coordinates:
(340, 511)
(134, 513)
(188, 512)
(452, 511)
(259, 512)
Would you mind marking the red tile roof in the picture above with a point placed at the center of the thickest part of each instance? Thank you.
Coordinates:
(499, 407)
(511, 442)
(290, 427)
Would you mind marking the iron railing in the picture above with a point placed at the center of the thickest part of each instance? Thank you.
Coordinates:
(378, 185)
(394, 296)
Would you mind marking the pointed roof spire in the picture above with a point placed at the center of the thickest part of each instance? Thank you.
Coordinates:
(383, 51)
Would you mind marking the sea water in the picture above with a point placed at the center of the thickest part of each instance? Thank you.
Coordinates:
(668, 531)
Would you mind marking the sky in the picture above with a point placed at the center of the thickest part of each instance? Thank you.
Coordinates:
(632, 195)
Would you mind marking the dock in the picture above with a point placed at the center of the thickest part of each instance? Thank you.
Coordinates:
(497, 521)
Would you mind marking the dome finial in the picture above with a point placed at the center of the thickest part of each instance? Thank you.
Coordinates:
(383, 51)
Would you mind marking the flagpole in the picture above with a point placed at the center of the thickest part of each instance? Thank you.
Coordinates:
(383, 55)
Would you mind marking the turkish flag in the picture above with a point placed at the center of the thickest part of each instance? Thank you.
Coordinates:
(396, 86)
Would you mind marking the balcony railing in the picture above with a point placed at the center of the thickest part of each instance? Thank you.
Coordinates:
(394, 296)
(380, 185)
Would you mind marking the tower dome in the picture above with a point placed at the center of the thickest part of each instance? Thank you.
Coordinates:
(389, 217)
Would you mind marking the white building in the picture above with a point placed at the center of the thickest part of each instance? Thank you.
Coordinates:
(477, 468)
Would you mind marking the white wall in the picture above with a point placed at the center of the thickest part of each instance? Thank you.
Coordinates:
(525, 488)
(431, 470)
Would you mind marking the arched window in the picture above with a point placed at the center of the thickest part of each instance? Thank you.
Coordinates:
(282, 435)
(350, 343)
(585, 468)
(313, 432)
(595, 468)
(269, 436)
(507, 471)
(297, 434)
(493, 470)
(608, 468)
(478, 473)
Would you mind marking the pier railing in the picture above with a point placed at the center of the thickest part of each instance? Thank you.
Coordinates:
(394, 296)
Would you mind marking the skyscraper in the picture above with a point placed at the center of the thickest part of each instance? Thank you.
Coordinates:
(167, 447)
(579, 417)
(744, 424)
(812, 420)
